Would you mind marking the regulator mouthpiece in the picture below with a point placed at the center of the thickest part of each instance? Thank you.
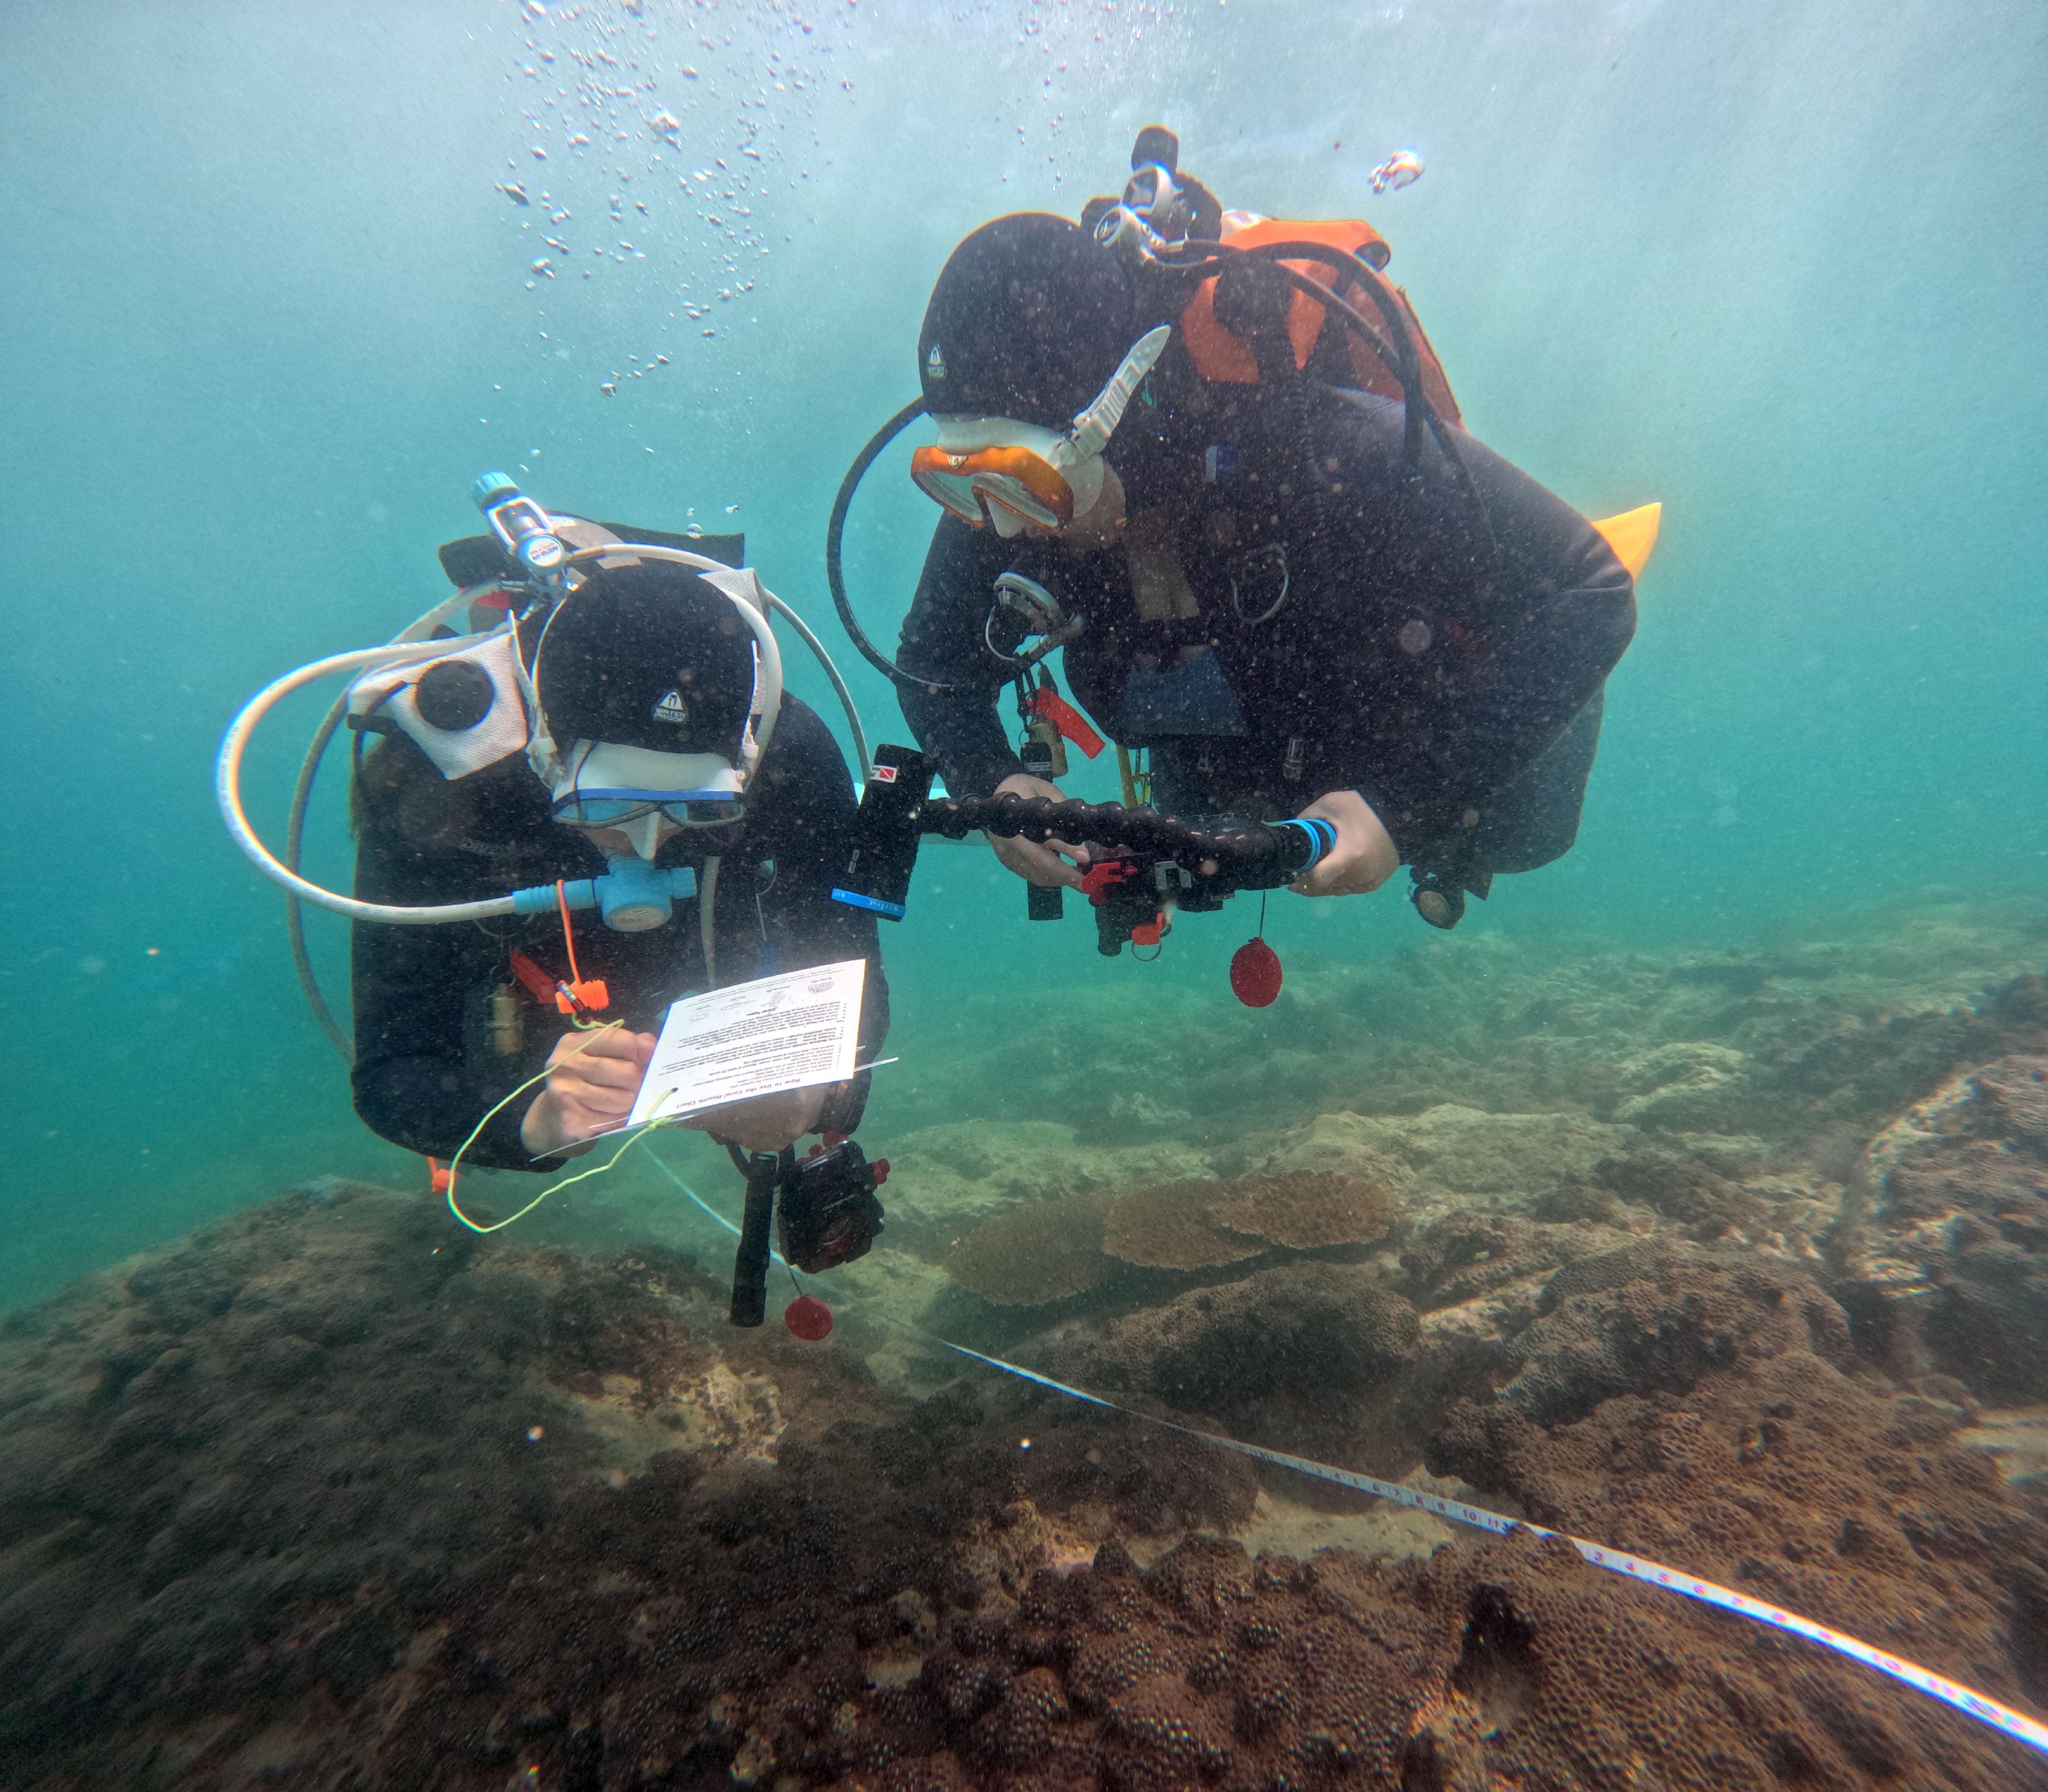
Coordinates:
(635, 897)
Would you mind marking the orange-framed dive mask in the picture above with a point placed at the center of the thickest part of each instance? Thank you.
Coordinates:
(1000, 473)
(976, 483)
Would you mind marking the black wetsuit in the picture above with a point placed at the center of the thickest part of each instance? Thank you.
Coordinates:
(426, 1067)
(1376, 641)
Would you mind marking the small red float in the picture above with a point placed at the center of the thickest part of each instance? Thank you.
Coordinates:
(1254, 974)
(808, 1318)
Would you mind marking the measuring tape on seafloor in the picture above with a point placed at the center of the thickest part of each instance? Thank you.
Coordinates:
(2002, 1718)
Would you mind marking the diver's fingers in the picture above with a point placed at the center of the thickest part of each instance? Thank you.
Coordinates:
(1035, 863)
(1078, 854)
(606, 1073)
(615, 1045)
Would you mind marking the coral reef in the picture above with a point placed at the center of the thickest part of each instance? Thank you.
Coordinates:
(1030, 1255)
(1304, 1209)
(1787, 1480)
(1950, 1272)
(1658, 1315)
(1310, 1333)
(1168, 1228)
(1728, 1257)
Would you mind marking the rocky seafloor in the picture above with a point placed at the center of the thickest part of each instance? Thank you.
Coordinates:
(1737, 1259)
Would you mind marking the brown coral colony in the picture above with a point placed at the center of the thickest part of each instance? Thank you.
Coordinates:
(1048, 1250)
(1306, 1209)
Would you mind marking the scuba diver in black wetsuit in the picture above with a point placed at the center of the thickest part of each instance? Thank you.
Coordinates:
(643, 678)
(613, 735)
(1230, 482)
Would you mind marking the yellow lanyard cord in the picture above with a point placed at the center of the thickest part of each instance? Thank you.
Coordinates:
(455, 1163)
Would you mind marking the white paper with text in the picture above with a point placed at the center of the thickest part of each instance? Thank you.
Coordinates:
(785, 1032)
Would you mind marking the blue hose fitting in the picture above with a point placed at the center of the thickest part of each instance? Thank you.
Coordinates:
(632, 897)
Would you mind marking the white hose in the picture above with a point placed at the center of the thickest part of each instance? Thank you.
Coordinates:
(295, 828)
(227, 792)
(862, 763)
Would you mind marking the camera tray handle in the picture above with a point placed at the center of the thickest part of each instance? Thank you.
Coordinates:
(749, 1263)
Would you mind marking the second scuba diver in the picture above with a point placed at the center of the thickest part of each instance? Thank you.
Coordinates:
(1272, 556)
(650, 711)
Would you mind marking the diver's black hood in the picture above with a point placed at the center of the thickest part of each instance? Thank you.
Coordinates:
(1029, 319)
(649, 655)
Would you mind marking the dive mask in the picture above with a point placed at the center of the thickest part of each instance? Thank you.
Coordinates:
(636, 789)
(1007, 474)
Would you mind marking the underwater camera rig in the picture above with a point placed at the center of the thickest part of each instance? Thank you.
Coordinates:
(829, 1216)
(1154, 862)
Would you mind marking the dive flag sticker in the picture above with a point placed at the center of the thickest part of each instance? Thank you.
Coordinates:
(672, 708)
(885, 775)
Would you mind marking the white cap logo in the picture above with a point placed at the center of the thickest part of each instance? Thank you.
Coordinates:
(935, 363)
(672, 708)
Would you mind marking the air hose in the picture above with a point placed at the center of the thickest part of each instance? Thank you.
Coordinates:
(295, 832)
(835, 566)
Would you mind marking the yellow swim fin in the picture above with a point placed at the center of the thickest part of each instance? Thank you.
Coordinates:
(1633, 536)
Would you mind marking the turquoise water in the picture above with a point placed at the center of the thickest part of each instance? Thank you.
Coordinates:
(263, 317)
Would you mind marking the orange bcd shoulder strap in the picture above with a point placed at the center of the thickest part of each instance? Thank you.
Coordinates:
(1227, 359)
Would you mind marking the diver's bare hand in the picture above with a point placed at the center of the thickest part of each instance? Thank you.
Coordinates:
(764, 1123)
(1042, 865)
(1364, 857)
(589, 1091)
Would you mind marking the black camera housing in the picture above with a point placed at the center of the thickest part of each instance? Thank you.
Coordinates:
(828, 1214)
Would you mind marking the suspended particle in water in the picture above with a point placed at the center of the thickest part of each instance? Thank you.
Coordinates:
(540, 154)
(1415, 636)
(536, 1433)
(610, 389)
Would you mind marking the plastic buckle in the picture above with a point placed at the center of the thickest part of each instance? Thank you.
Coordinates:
(1099, 879)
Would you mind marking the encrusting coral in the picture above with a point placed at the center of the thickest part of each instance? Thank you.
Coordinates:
(1167, 1228)
(1039, 1252)
(1043, 1251)
(1303, 1209)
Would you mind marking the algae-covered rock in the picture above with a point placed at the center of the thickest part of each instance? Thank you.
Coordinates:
(1693, 1085)
(1949, 1272)
(1657, 1315)
(1448, 1156)
(944, 1180)
(1302, 1327)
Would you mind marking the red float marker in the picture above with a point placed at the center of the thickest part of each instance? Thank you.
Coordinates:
(808, 1318)
(1254, 974)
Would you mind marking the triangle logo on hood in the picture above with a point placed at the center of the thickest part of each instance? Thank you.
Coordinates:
(672, 707)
